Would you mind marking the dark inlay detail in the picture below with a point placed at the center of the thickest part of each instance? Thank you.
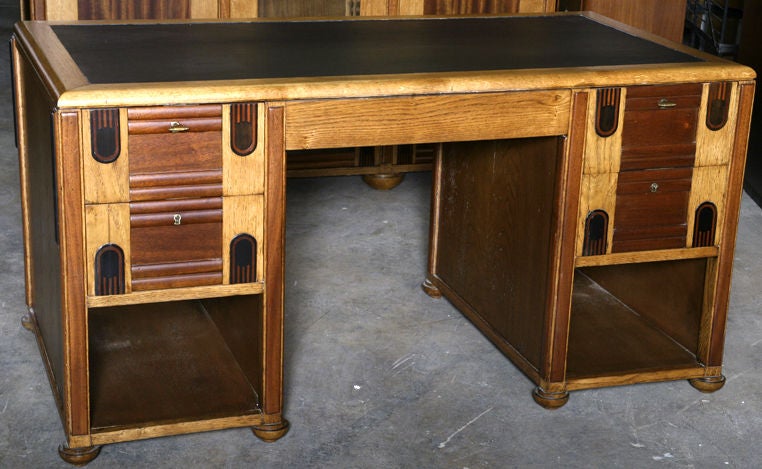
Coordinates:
(243, 128)
(366, 156)
(607, 111)
(104, 133)
(243, 259)
(705, 225)
(718, 104)
(109, 270)
(596, 233)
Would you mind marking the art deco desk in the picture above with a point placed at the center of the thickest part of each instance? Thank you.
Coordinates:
(584, 207)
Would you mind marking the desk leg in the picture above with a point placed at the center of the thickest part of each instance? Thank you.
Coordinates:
(273, 424)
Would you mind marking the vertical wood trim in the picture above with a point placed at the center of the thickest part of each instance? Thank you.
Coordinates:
(709, 184)
(242, 175)
(274, 240)
(206, 9)
(598, 192)
(558, 309)
(23, 154)
(71, 221)
(107, 224)
(244, 9)
(109, 182)
(62, 10)
(603, 154)
(242, 214)
(730, 225)
(714, 147)
(436, 190)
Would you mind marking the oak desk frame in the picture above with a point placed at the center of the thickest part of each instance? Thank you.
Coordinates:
(541, 121)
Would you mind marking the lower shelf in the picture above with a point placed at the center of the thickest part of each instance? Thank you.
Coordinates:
(609, 336)
(163, 363)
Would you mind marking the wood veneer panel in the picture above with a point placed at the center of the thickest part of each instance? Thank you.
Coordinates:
(465, 7)
(132, 9)
(495, 230)
(240, 321)
(162, 362)
(193, 151)
(662, 17)
(425, 119)
(291, 8)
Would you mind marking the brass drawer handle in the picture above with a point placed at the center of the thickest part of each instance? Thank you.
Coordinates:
(665, 103)
(176, 127)
(654, 187)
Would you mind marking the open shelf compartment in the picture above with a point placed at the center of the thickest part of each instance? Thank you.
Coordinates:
(172, 362)
(642, 318)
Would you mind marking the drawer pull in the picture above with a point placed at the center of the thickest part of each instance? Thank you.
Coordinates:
(665, 103)
(654, 188)
(178, 219)
(176, 127)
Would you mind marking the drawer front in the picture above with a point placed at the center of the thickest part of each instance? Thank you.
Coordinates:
(651, 209)
(175, 139)
(176, 243)
(660, 126)
(189, 210)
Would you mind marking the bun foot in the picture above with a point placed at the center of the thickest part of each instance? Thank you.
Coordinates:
(28, 322)
(550, 400)
(708, 384)
(271, 432)
(383, 182)
(78, 456)
(431, 289)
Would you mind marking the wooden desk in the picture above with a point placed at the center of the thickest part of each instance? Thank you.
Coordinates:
(584, 207)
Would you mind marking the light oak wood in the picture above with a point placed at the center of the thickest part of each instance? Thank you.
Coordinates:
(243, 175)
(709, 185)
(189, 293)
(154, 431)
(602, 154)
(242, 214)
(646, 256)
(598, 193)
(334, 123)
(106, 183)
(633, 378)
(107, 224)
(714, 147)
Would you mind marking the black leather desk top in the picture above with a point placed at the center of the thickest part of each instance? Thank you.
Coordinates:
(170, 52)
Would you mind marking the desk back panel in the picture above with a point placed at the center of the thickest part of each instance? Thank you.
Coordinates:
(495, 234)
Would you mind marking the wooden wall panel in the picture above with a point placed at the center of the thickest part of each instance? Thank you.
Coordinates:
(662, 17)
(133, 9)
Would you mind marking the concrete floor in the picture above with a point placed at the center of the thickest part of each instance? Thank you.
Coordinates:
(377, 374)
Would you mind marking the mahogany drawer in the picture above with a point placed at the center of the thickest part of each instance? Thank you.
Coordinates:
(175, 139)
(176, 243)
(651, 209)
(659, 128)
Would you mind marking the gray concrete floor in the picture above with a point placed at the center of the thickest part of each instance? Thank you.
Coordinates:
(377, 374)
